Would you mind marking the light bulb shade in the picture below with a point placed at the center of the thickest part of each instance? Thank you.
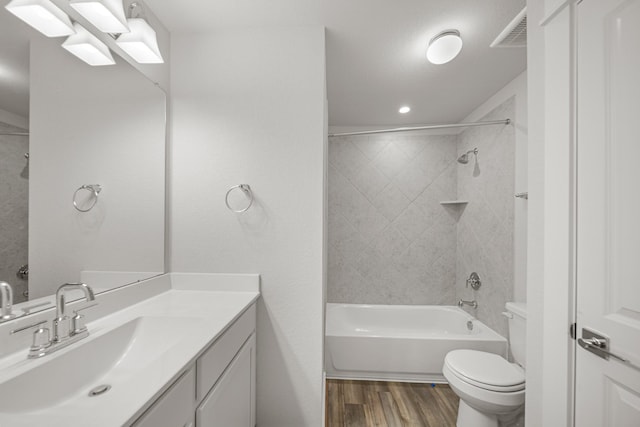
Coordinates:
(88, 47)
(107, 15)
(140, 43)
(444, 47)
(42, 15)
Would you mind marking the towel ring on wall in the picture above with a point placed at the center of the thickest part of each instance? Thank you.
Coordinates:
(93, 188)
(246, 189)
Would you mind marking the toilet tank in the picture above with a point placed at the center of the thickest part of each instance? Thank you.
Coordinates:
(517, 318)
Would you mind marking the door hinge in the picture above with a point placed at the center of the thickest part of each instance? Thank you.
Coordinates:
(572, 331)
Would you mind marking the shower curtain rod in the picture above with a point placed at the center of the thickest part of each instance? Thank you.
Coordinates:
(426, 127)
(14, 134)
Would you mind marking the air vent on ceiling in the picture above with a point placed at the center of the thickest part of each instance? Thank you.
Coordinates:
(515, 34)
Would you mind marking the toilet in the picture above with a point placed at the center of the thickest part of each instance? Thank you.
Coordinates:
(491, 389)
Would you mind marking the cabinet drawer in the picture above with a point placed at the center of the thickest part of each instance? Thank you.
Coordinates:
(231, 401)
(214, 361)
(175, 407)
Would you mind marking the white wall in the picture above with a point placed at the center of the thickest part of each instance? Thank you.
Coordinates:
(248, 106)
(93, 125)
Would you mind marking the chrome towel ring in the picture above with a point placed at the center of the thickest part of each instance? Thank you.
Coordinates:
(93, 188)
(246, 189)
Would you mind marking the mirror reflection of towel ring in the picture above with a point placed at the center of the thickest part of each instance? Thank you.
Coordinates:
(246, 189)
(93, 188)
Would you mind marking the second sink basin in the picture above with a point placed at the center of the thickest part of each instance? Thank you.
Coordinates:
(107, 358)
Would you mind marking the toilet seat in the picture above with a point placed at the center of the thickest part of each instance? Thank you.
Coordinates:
(487, 371)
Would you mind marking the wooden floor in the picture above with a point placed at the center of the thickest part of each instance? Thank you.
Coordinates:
(377, 403)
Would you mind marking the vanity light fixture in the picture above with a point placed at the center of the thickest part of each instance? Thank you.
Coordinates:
(404, 109)
(140, 43)
(88, 47)
(107, 15)
(444, 47)
(42, 15)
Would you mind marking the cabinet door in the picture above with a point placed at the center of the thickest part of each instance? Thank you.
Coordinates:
(231, 402)
(175, 407)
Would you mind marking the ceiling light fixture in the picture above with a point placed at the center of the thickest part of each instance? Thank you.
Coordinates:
(444, 47)
(42, 15)
(404, 109)
(141, 42)
(107, 15)
(88, 47)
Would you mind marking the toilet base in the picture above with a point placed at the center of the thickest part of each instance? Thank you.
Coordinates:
(470, 417)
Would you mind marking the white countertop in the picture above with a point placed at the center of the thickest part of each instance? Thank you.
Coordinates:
(129, 398)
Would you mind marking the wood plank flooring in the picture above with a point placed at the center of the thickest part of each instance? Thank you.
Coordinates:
(389, 404)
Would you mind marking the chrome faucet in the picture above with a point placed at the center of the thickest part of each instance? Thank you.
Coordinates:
(472, 304)
(6, 299)
(65, 331)
(61, 323)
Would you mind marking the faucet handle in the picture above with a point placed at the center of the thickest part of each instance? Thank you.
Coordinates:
(77, 321)
(41, 340)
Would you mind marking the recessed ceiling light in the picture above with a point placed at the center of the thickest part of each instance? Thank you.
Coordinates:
(444, 47)
(404, 110)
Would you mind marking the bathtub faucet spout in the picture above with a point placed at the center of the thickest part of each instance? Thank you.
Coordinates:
(473, 304)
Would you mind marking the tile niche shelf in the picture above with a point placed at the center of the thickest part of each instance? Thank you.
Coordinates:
(454, 202)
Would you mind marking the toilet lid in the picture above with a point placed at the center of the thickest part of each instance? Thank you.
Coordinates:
(486, 370)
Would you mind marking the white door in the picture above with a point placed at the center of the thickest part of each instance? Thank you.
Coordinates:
(608, 212)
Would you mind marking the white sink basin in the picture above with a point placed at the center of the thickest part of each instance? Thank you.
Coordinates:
(107, 358)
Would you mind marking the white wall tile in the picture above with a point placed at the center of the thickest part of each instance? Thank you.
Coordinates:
(370, 181)
(346, 158)
(396, 244)
(412, 222)
(396, 268)
(391, 160)
(370, 146)
(390, 202)
(486, 226)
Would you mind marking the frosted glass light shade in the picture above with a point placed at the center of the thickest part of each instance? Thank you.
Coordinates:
(140, 43)
(107, 15)
(42, 15)
(444, 47)
(88, 47)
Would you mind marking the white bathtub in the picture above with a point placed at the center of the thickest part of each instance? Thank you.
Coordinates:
(400, 342)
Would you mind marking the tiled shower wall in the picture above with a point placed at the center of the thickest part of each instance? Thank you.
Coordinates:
(390, 239)
(14, 194)
(486, 227)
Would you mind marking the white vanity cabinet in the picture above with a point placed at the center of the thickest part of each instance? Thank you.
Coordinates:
(218, 389)
(231, 401)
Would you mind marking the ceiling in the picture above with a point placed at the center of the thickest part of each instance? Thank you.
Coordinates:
(376, 51)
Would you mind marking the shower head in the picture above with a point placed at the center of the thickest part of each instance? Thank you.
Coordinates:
(464, 159)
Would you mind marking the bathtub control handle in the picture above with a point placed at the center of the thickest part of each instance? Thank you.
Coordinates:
(474, 281)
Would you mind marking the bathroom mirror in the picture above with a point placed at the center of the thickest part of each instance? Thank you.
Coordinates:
(68, 128)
